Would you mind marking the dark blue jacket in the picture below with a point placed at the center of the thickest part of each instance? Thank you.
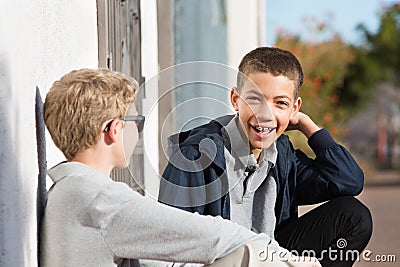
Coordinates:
(195, 177)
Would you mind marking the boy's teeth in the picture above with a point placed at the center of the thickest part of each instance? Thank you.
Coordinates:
(262, 129)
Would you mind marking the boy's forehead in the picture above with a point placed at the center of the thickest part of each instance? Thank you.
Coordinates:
(260, 82)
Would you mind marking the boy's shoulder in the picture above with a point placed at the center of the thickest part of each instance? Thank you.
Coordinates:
(194, 136)
(284, 139)
(283, 144)
(205, 139)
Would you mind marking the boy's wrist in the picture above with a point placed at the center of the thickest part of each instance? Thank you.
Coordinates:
(320, 141)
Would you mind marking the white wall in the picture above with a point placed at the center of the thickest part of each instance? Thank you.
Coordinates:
(40, 40)
(246, 28)
(148, 9)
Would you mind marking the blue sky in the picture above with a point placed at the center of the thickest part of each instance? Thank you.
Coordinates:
(341, 15)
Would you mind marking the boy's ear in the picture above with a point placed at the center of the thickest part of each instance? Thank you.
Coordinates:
(297, 105)
(234, 96)
(115, 128)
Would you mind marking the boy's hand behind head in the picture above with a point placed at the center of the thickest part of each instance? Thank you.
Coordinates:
(295, 121)
(303, 123)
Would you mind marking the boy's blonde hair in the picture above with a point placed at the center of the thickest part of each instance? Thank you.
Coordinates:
(271, 60)
(81, 101)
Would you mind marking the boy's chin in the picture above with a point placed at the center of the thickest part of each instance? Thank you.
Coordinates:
(263, 145)
(266, 146)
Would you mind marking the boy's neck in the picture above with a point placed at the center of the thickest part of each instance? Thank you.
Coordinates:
(256, 152)
(95, 160)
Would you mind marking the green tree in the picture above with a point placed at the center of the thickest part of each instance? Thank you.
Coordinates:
(376, 60)
(385, 44)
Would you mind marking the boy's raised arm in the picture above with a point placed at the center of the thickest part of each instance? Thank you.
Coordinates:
(334, 172)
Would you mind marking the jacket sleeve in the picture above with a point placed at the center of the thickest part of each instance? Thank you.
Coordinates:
(334, 172)
(182, 184)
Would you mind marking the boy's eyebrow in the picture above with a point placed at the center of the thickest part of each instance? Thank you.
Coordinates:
(255, 91)
(283, 96)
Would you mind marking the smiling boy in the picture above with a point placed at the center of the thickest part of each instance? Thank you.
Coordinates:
(255, 177)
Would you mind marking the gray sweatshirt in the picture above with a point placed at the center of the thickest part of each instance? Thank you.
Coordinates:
(90, 220)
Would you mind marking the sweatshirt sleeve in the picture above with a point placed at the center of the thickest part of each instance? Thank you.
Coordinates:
(134, 226)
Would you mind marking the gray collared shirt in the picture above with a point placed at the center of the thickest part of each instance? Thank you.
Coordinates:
(252, 194)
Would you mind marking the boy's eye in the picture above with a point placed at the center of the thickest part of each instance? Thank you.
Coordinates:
(283, 103)
(253, 98)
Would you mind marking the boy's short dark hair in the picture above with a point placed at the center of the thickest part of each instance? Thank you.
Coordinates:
(271, 60)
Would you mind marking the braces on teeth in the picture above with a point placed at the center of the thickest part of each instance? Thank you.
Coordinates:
(262, 129)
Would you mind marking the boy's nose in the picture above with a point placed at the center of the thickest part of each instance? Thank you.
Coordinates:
(264, 113)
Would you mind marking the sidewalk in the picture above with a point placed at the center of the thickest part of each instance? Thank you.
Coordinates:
(384, 204)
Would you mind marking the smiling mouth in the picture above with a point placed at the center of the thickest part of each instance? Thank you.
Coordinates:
(263, 130)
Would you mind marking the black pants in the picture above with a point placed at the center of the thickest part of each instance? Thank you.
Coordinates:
(335, 231)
